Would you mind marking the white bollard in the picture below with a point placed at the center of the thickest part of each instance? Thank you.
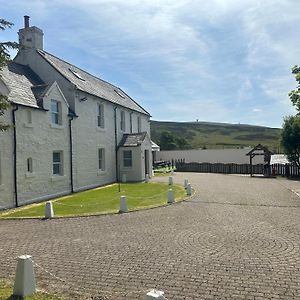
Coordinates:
(186, 181)
(154, 294)
(147, 178)
(123, 205)
(172, 172)
(124, 178)
(189, 189)
(152, 173)
(49, 210)
(25, 279)
(170, 196)
(170, 180)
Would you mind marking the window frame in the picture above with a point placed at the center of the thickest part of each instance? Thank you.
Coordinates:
(122, 121)
(57, 163)
(139, 124)
(56, 115)
(101, 160)
(100, 116)
(127, 161)
(29, 165)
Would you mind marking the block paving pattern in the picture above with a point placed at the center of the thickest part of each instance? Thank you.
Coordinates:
(236, 238)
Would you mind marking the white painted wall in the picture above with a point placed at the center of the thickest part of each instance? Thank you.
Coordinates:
(38, 140)
(6, 164)
(237, 156)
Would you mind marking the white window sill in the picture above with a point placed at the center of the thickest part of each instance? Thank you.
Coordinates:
(28, 125)
(100, 172)
(56, 126)
(58, 177)
(100, 129)
(29, 175)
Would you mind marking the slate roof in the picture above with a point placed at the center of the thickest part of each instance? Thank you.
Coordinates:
(133, 139)
(91, 84)
(25, 86)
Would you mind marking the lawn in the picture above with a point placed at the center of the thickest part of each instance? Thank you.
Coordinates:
(102, 200)
(6, 291)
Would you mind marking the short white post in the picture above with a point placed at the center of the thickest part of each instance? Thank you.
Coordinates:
(189, 189)
(123, 205)
(170, 180)
(152, 173)
(154, 294)
(170, 196)
(49, 210)
(147, 178)
(186, 181)
(25, 280)
(124, 179)
(172, 172)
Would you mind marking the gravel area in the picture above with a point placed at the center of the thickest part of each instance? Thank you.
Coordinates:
(236, 238)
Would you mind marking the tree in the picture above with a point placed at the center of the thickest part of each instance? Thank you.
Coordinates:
(4, 58)
(290, 135)
(167, 141)
(295, 94)
(290, 138)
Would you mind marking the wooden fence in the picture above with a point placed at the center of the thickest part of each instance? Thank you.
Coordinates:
(287, 170)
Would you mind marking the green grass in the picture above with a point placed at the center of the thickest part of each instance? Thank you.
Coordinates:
(6, 294)
(102, 200)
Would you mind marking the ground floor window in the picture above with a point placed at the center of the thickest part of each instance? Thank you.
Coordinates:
(127, 158)
(101, 159)
(57, 163)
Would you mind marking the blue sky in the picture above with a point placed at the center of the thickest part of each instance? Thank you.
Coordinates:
(214, 60)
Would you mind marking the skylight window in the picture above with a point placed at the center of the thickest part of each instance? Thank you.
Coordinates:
(77, 74)
(122, 95)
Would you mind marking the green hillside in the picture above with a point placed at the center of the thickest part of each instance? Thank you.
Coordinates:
(217, 135)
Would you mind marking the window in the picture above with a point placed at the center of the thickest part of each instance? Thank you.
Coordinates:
(57, 163)
(101, 159)
(100, 117)
(123, 120)
(56, 112)
(127, 158)
(76, 74)
(139, 126)
(29, 165)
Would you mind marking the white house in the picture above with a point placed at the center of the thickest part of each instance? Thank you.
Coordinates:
(72, 131)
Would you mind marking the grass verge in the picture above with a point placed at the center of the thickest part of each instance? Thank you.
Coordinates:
(6, 294)
(102, 200)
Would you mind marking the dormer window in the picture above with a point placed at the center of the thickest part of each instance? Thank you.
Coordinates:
(56, 112)
(76, 74)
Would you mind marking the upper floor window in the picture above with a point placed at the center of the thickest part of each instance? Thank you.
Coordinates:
(100, 116)
(139, 125)
(101, 159)
(123, 120)
(57, 163)
(56, 112)
(127, 158)
(29, 165)
(29, 117)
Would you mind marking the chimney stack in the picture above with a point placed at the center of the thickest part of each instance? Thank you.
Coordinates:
(26, 21)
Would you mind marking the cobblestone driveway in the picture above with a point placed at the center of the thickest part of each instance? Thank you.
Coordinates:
(236, 238)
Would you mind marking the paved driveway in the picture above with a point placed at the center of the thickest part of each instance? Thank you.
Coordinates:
(236, 238)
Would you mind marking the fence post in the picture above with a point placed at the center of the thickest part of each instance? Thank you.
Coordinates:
(189, 189)
(123, 205)
(170, 180)
(170, 196)
(49, 210)
(25, 280)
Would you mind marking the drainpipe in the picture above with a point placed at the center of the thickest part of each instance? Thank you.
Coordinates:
(71, 152)
(15, 153)
(131, 122)
(116, 143)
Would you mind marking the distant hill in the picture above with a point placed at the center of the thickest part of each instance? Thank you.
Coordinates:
(217, 135)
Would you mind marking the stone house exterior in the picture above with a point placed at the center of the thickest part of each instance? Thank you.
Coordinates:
(69, 128)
